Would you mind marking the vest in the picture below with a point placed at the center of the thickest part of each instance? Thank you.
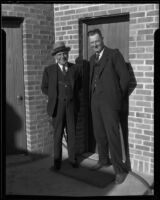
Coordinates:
(65, 91)
(95, 76)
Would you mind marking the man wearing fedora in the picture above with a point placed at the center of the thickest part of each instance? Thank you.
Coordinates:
(59, 83)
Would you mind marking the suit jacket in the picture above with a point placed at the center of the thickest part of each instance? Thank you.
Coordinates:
(113, 78)
(49, 85)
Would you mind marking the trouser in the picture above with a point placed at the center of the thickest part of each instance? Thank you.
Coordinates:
(106, 132)
(64, 119)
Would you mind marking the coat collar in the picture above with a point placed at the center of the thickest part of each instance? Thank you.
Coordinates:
(102, 62)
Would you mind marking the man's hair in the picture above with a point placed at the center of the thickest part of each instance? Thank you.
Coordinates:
(95, 31)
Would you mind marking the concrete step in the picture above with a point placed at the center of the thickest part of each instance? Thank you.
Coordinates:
(34, 178)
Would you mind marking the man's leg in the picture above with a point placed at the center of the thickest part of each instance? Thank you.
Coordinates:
(111, 123)
(99, 133)
(71, 132)
(58, 134)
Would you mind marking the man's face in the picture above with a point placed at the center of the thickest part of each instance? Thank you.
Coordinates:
(96, 42)
(62, 57)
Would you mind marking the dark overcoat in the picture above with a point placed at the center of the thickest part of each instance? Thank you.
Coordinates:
(113, 78)
(49, 85)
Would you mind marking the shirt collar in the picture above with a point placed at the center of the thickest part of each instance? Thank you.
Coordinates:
(61, 66)
(101, 53)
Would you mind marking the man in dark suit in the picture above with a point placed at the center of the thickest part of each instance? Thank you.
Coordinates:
(59, 84)
(109, 79)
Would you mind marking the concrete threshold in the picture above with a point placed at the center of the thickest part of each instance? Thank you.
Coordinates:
(35, 178)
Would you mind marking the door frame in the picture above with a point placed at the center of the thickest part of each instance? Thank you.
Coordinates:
(83, 42)
(16, 22)
(83, 27)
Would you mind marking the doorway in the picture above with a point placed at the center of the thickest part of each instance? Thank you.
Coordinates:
(115, 30)
(12, 62)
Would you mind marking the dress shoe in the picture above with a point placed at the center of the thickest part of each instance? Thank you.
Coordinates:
(56, 166)
(75, 164)
(100, 165)
(120, 177)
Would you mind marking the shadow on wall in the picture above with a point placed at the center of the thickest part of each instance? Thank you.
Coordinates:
(13, 124)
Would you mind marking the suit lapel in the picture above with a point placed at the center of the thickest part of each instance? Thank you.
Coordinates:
(71, 74)
(103, 60)
(53, 73)
(92, 68)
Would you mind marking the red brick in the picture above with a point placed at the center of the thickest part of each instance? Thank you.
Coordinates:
(143, 92)
(134, 151)
(143, 115)
(140, 109)
(146, 143)
(72, 22)
(143, 103)
(132, 56)
(148, 154)
(65, 7)
(153, 13)
(145, 43)
(139, 86)
(150, 37)
(138, 74)
(137, 26)
(141, 37)
(144, 80)
(133, 21)
(152, 25)
(137, 14)
(129, 9)
(144, 56)
(60, 13)
(144, 68)
(146, 7)
(149, 86)
(145, 19)
(93, 8)
(134, 119)
(35, 11)
(21, 9)
(100, 13)
(140, 147)
(136, 130)
(146, 31)
(148, 121)
(149, 62)
(143, 126)
(137, 50)
(82, 10)
(150, 110)
(148, 98)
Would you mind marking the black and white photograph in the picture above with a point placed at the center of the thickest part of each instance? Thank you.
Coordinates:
(79, 98)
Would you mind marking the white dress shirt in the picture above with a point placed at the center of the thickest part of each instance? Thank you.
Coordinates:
(61, 67)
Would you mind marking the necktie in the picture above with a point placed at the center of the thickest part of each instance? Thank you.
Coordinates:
(65, 69)
(97, 57)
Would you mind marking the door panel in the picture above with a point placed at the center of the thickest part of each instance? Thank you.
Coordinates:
(15, 108)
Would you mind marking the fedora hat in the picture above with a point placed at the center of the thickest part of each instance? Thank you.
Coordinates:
(59, 46)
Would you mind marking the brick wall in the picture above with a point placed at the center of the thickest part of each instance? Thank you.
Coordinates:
(143, 23)
(38, 33)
